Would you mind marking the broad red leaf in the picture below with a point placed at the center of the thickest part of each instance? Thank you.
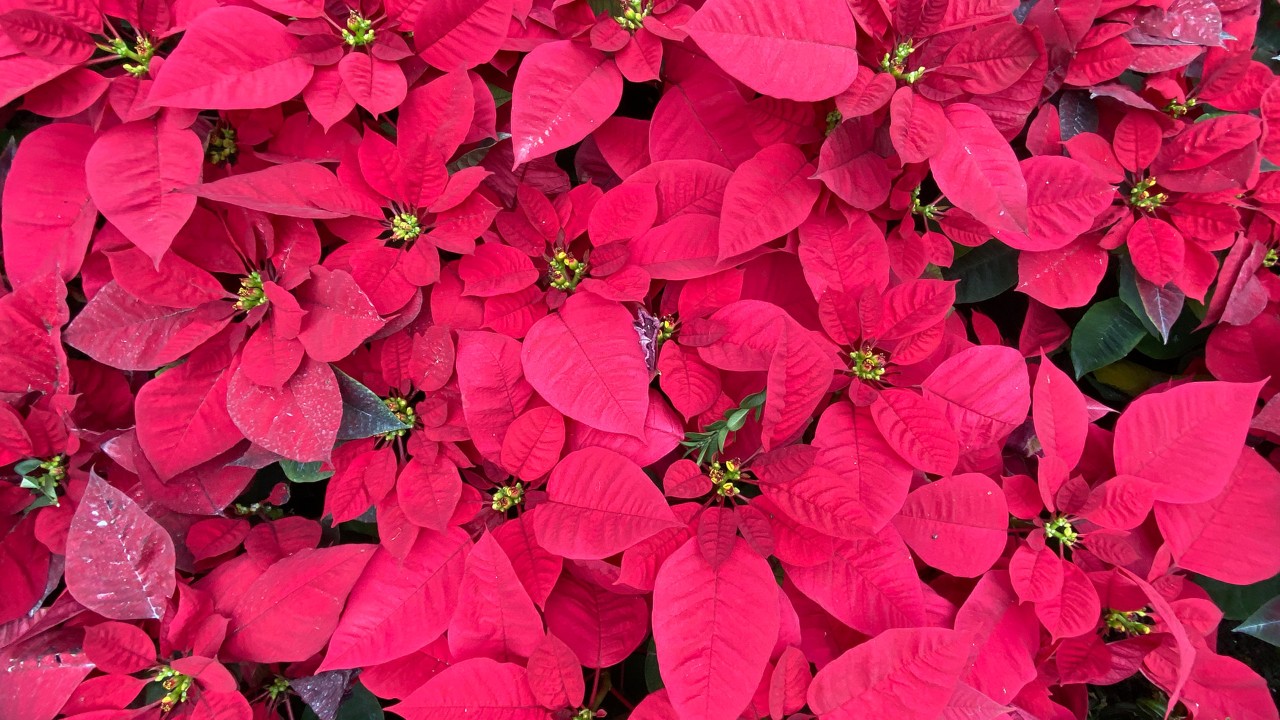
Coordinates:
(1157, 248)
(1036, 575)
(477, 688)
(587, 363)
(46, 36)
(400, 605)
(1074, 610)
(533, 443)
(123, 332)
(133, 172)
(231, 58)
(432, 361)
(288, 613)
(362, 477)
(298, 421)
(182, 414)
(957, 524)
(983, 392)
(428, 492)
(977, 170)
(496, 269)
(563, 91)
(1063, 278)
(494, 390)
(339, 315)
(917, 126)
(47, 215)
(853, 449)
(870, 585)
(823, 500)
(799, 376)
(601, 627)
(298, 189)
(797, 56)
(843, 257)
(916, 431)
(494, 616)
(458, 34)
(537, 567)
(714, 629)
(789, 684)
(1206, 538)
(25, 561)
(767, 197)
(900, 673)
(41, 674)
(688, 382)
(555, 675)
(1063, 199)
(120, 562)
(599, 503)
(1061, 414)
(849, 165)
(376, 85)
(1185, 440)
(117, 647)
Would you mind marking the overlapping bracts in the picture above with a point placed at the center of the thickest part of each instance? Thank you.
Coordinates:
(681, 360)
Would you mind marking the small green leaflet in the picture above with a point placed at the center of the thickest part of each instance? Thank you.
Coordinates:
(1106, 333)
(364, 414)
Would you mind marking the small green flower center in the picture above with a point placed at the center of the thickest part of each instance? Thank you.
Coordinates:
(404, 412)
(251, 293)
(1141, 197)
(724, 477)
(667, 329)
(43, 477)
(867, 364)
(895, 63)
(176, 683)
(631, 14)
(508, 497)
(1060, 529)
(1134, 622)
(584, 714)
(263, 509)
(565, 271)
(405, 227)
(929, 211)
(1271, 258)
(1177, 109)
(279, 686)
(834, 118)
(359, 31)
(222, 145)
(141, 53)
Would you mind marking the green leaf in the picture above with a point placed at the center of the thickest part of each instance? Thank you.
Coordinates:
(26, 466)
(1265, 623)
(652, 676)
(363, 413)
(984, 272)
(1153, 307)
(1184, 338)
(304, 472)
(500, 96)
(360, 704)
(1106, 333)
(1239, 601)
(475, 156)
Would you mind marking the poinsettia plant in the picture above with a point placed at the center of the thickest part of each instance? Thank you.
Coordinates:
(661, 359)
